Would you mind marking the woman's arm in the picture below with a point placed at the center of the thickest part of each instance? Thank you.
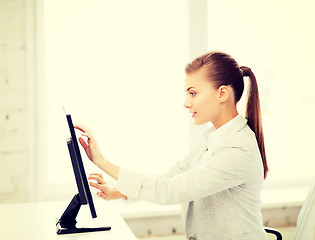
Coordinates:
(111, 169)
(230, 167)
(93, 152)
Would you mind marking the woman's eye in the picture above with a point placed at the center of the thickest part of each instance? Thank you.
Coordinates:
(191, 93)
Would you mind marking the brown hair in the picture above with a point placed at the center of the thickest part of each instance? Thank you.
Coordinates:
(222, 69)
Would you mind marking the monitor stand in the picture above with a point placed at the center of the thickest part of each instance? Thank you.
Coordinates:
(66, 223)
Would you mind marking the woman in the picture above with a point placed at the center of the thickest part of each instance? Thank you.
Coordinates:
(219, 182)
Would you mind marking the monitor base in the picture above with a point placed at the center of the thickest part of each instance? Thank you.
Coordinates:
(66, 223)
(62, 231)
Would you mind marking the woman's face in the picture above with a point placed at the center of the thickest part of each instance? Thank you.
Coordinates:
(202, 98)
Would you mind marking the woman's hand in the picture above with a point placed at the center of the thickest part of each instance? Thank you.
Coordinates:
(90, 147)
(94, 153)
(106, 192)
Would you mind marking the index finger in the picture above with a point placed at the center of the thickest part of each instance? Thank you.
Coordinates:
(98, 174)
(95, 185)
(81, 128)
(97, 178)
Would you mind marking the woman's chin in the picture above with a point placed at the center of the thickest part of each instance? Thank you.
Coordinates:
(198, 122)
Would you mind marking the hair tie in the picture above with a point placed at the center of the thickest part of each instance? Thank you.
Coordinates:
(245, 71)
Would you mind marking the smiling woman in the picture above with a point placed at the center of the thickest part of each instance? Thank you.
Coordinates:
(222, 175)
(122, 78)
(218, 76)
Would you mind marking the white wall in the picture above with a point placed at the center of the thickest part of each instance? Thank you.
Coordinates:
(14, 112)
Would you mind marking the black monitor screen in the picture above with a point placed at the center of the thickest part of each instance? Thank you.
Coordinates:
(67, 222)
(78, 168)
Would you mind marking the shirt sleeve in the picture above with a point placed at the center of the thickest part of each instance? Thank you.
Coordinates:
(185, 164)
(226, 168)
(130, 182)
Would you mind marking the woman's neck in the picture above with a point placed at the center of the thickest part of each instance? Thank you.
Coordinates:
(225, 117)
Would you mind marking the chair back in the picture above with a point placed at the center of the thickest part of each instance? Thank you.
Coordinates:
(305, 226)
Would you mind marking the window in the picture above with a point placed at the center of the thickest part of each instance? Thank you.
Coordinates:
(118, 67)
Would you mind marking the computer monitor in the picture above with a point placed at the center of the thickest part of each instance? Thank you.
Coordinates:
(67, 222)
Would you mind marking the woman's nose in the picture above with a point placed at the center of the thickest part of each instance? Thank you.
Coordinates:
(187, 103)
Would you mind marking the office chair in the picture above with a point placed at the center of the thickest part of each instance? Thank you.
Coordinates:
(305, 225)
(274, 232)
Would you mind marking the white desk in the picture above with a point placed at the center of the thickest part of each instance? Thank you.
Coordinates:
(31, 221)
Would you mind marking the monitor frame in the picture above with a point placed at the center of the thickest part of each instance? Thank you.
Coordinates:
(78, 169)
(67, 222)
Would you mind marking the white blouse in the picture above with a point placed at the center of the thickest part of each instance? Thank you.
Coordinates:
(218, 182)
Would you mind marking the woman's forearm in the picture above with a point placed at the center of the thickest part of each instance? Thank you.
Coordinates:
(111, 169)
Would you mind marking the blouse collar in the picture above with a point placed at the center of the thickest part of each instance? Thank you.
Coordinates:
(212, 136)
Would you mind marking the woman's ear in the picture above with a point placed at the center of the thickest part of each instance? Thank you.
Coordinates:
(223, 93)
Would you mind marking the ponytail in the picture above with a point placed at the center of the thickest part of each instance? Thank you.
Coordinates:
(253, 114)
